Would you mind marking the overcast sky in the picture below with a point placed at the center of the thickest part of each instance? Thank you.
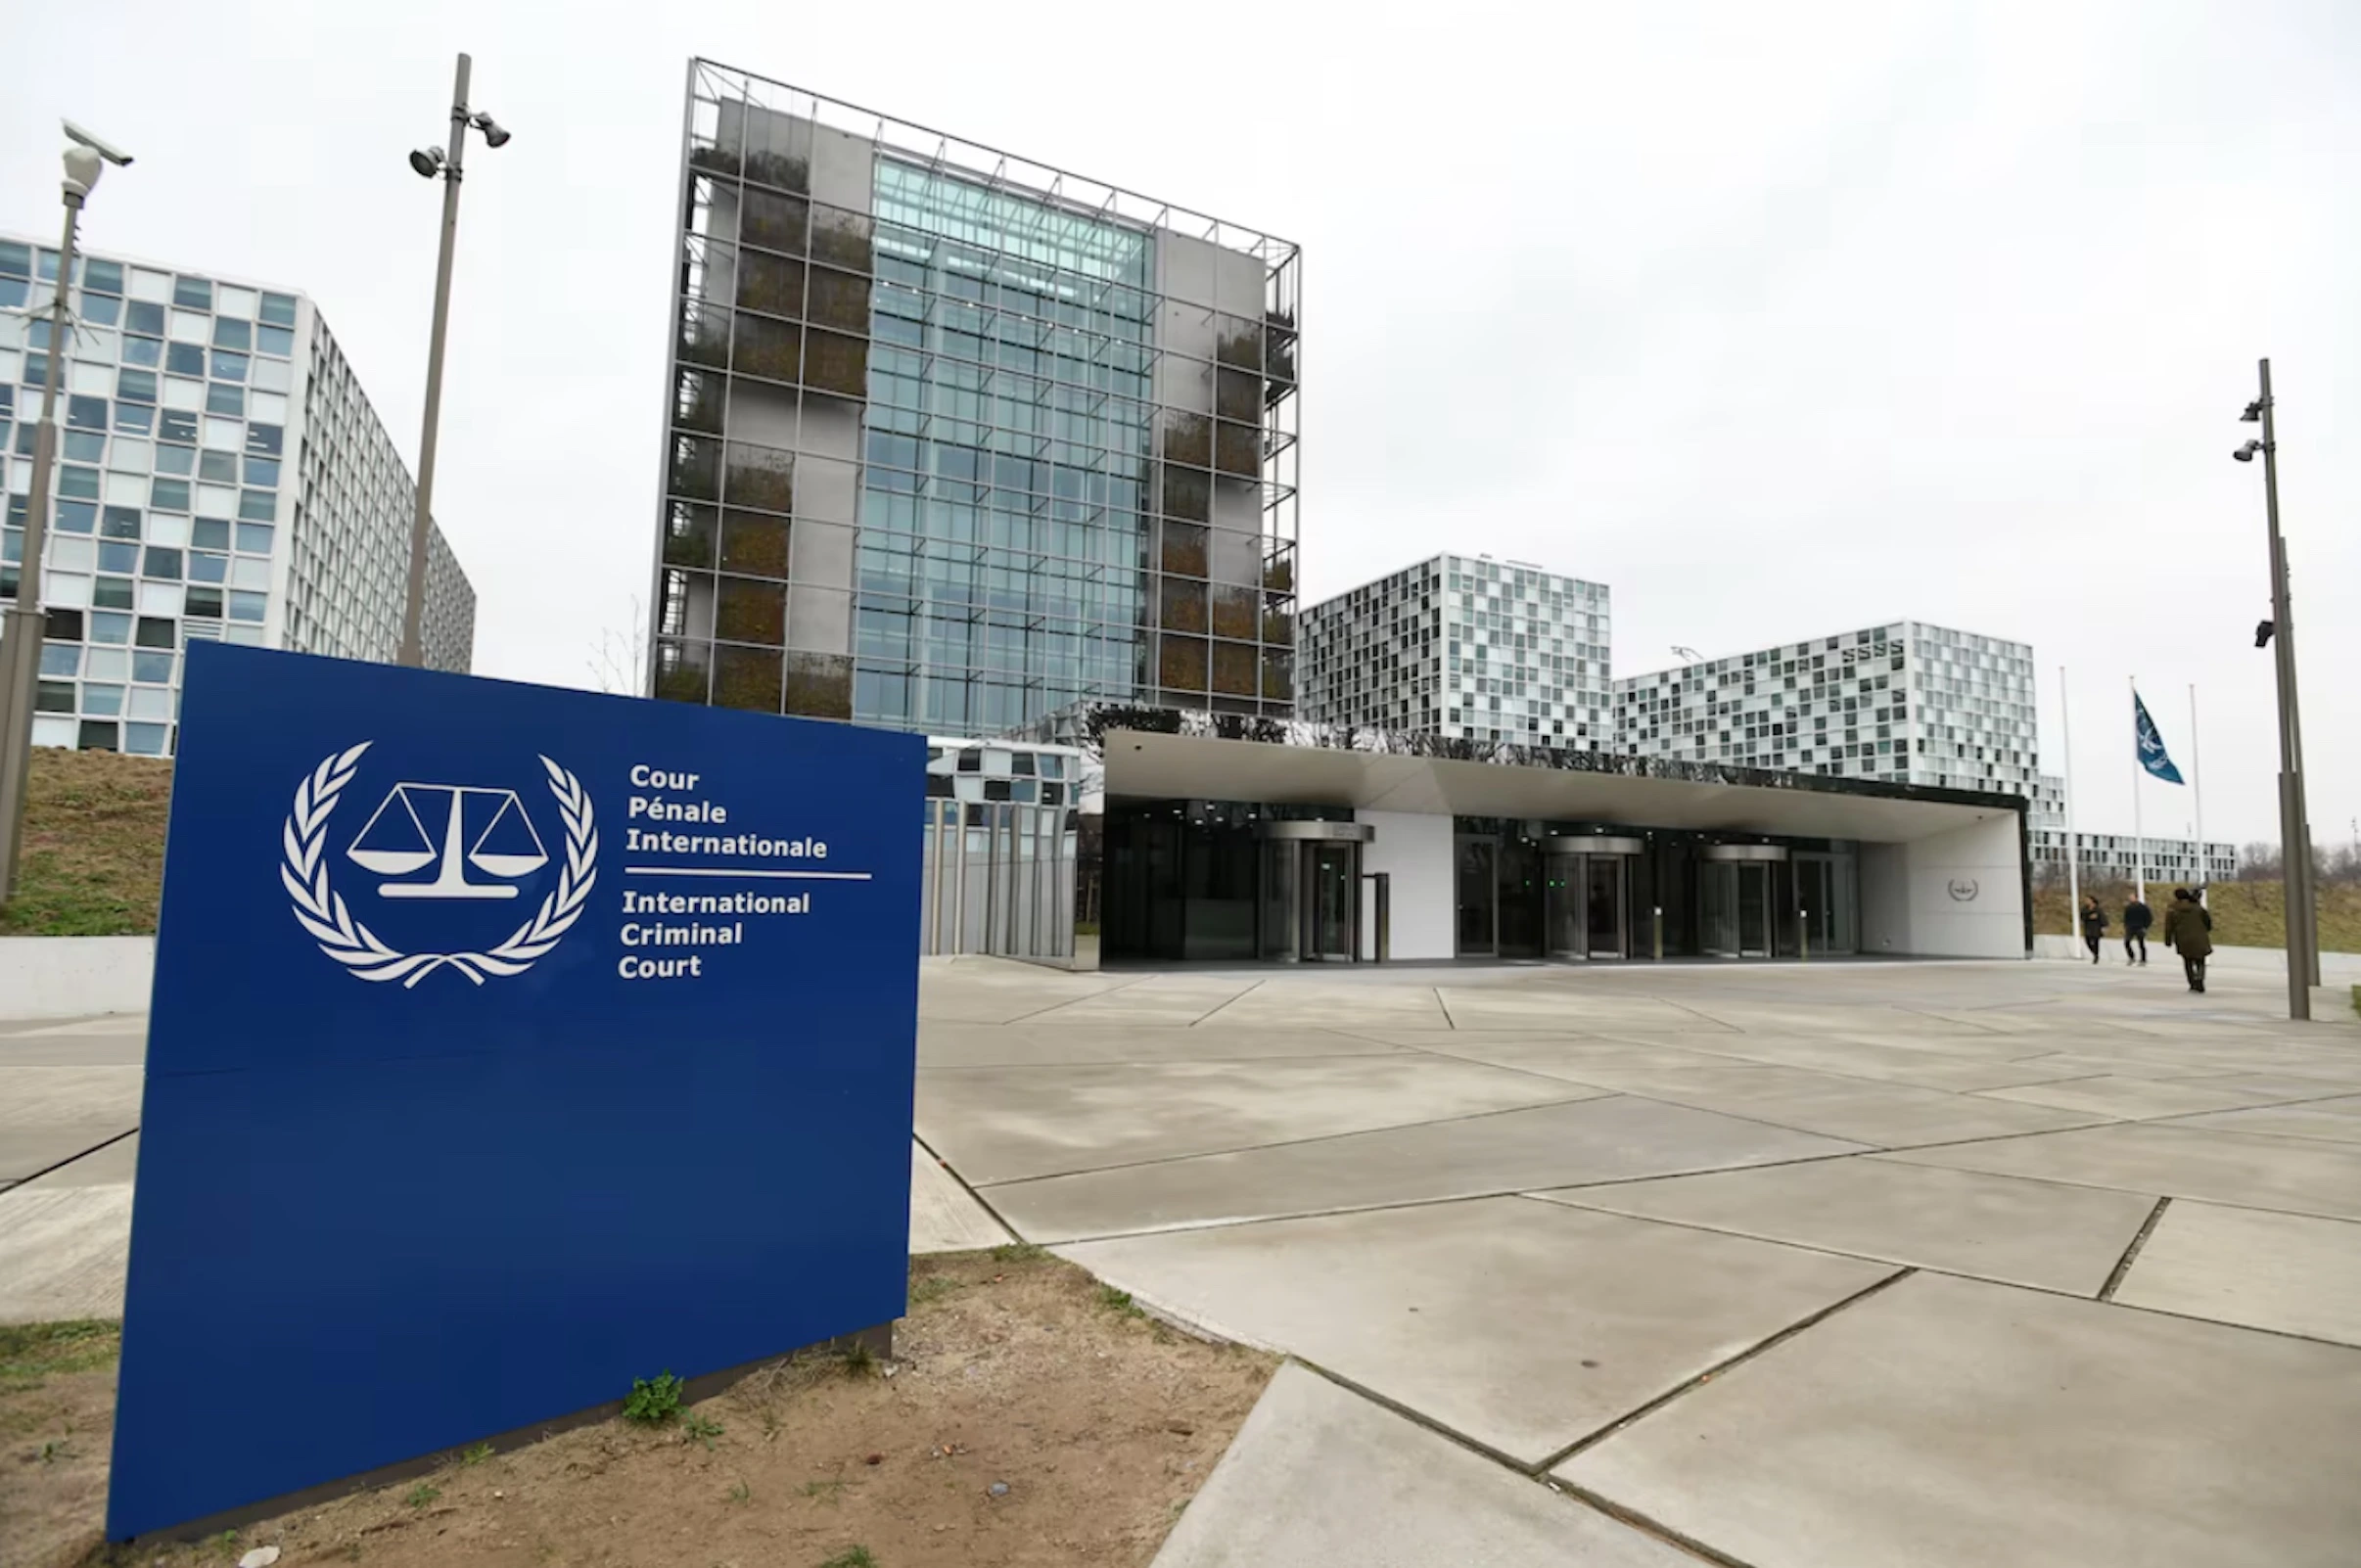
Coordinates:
(1779, 319)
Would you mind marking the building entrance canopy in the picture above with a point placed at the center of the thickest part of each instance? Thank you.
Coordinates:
(1143, 765)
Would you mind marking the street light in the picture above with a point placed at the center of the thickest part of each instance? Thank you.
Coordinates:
(433, 162)
(2295, 831)
(20, 643)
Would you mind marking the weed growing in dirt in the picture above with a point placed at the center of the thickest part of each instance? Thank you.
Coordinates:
(858, 1363)
(851, 1557)
(419, 1496)
(741, 1493)
(931, 1288)
(31, 1352)
(475, 1453)
(224, 1544)
(1119, 1300)
(695, 1428)
(1018, 1252)
(54, 1450)
(825, 1491)
(653, 1401)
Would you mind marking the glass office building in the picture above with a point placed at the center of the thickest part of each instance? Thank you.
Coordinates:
(219, 475)
(956, 440)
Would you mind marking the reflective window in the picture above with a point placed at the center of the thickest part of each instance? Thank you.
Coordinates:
(279, 309)
(195, 294)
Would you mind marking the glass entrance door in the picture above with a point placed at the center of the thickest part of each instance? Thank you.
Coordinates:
(1332, 912)
(1823, 897)
(1565, 912)
(1478, 895)
(1753, 910)
(1605, 911)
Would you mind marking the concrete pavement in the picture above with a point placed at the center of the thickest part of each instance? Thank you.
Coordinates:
(1802, 1267)
(2005, 1263)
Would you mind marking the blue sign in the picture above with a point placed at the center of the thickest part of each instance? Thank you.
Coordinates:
(507, 1043)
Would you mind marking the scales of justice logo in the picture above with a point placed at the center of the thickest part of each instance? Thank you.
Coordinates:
(438, 841)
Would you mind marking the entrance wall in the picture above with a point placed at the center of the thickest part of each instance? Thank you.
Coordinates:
(1414, 848)
(1956, 894)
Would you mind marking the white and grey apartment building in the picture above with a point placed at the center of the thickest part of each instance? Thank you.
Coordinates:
(1904, 702)
(220, 476)
(1464, 648)
(2119, 856)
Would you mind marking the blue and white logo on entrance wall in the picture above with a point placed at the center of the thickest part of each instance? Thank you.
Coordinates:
(507, 1043)
(442, 830)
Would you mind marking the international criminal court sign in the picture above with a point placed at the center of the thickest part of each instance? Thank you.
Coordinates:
(507, 1043)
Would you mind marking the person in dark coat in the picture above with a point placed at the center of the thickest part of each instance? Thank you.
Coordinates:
(2094, 923)
(2137, 918)
(2189, 931)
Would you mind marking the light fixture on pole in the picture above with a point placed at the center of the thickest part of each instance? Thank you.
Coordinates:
(20, 640)
(2295, 832)
(434, 162)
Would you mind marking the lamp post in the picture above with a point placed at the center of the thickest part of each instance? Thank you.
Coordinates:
(20, 644)
(433, 162)
(2295, 832)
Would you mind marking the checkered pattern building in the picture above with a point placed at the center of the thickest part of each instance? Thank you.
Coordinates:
(1466, 648)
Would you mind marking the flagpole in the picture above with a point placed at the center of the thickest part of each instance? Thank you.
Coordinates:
(2065, 731)
(2139, 841)
(2197, 793)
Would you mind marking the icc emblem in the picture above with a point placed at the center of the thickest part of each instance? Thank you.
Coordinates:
(448, 831)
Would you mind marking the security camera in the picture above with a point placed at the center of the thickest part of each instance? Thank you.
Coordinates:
(98, 144)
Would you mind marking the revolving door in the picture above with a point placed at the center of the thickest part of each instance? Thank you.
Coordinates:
(1310, 910)
(1589, 895)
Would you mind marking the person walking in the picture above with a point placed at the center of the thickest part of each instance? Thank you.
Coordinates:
(2094, 924)
(2137, 918)
(2189, 931)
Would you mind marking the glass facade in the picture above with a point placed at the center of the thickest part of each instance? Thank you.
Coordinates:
(190, 447)
(956, 440)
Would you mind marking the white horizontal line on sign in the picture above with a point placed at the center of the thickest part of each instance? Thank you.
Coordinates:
(723, 871)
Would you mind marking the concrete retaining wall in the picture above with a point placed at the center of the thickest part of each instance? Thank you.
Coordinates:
(75, 977)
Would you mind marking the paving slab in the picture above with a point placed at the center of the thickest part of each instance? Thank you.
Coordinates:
(1321, 1475)
(2336, 1121)
(2292, 1273)
(1511, 1151)
(2135, 1098)
(2175, 1160)
(1002, 1123)
(46, 1096)
(1037, 1045)
(1915, 1064)
(990, 990)
(2038, 1233)
(1170, 1001)
(115, 1046)
(1566, 1056)
(1948, 1422)
(63, 1252)
(26, 1151)
(1860, 1110)
(1544, 1007)
(945, 1217)
(117, 1160)
(1313, 1004)
(1522, 1327)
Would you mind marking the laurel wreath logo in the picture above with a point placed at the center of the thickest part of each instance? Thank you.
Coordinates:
(322, 911)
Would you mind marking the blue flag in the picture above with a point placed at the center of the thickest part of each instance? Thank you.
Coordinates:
(2151, 745)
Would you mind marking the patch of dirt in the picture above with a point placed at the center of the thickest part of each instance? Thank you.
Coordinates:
(56, 1424)
(1012, 1369)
